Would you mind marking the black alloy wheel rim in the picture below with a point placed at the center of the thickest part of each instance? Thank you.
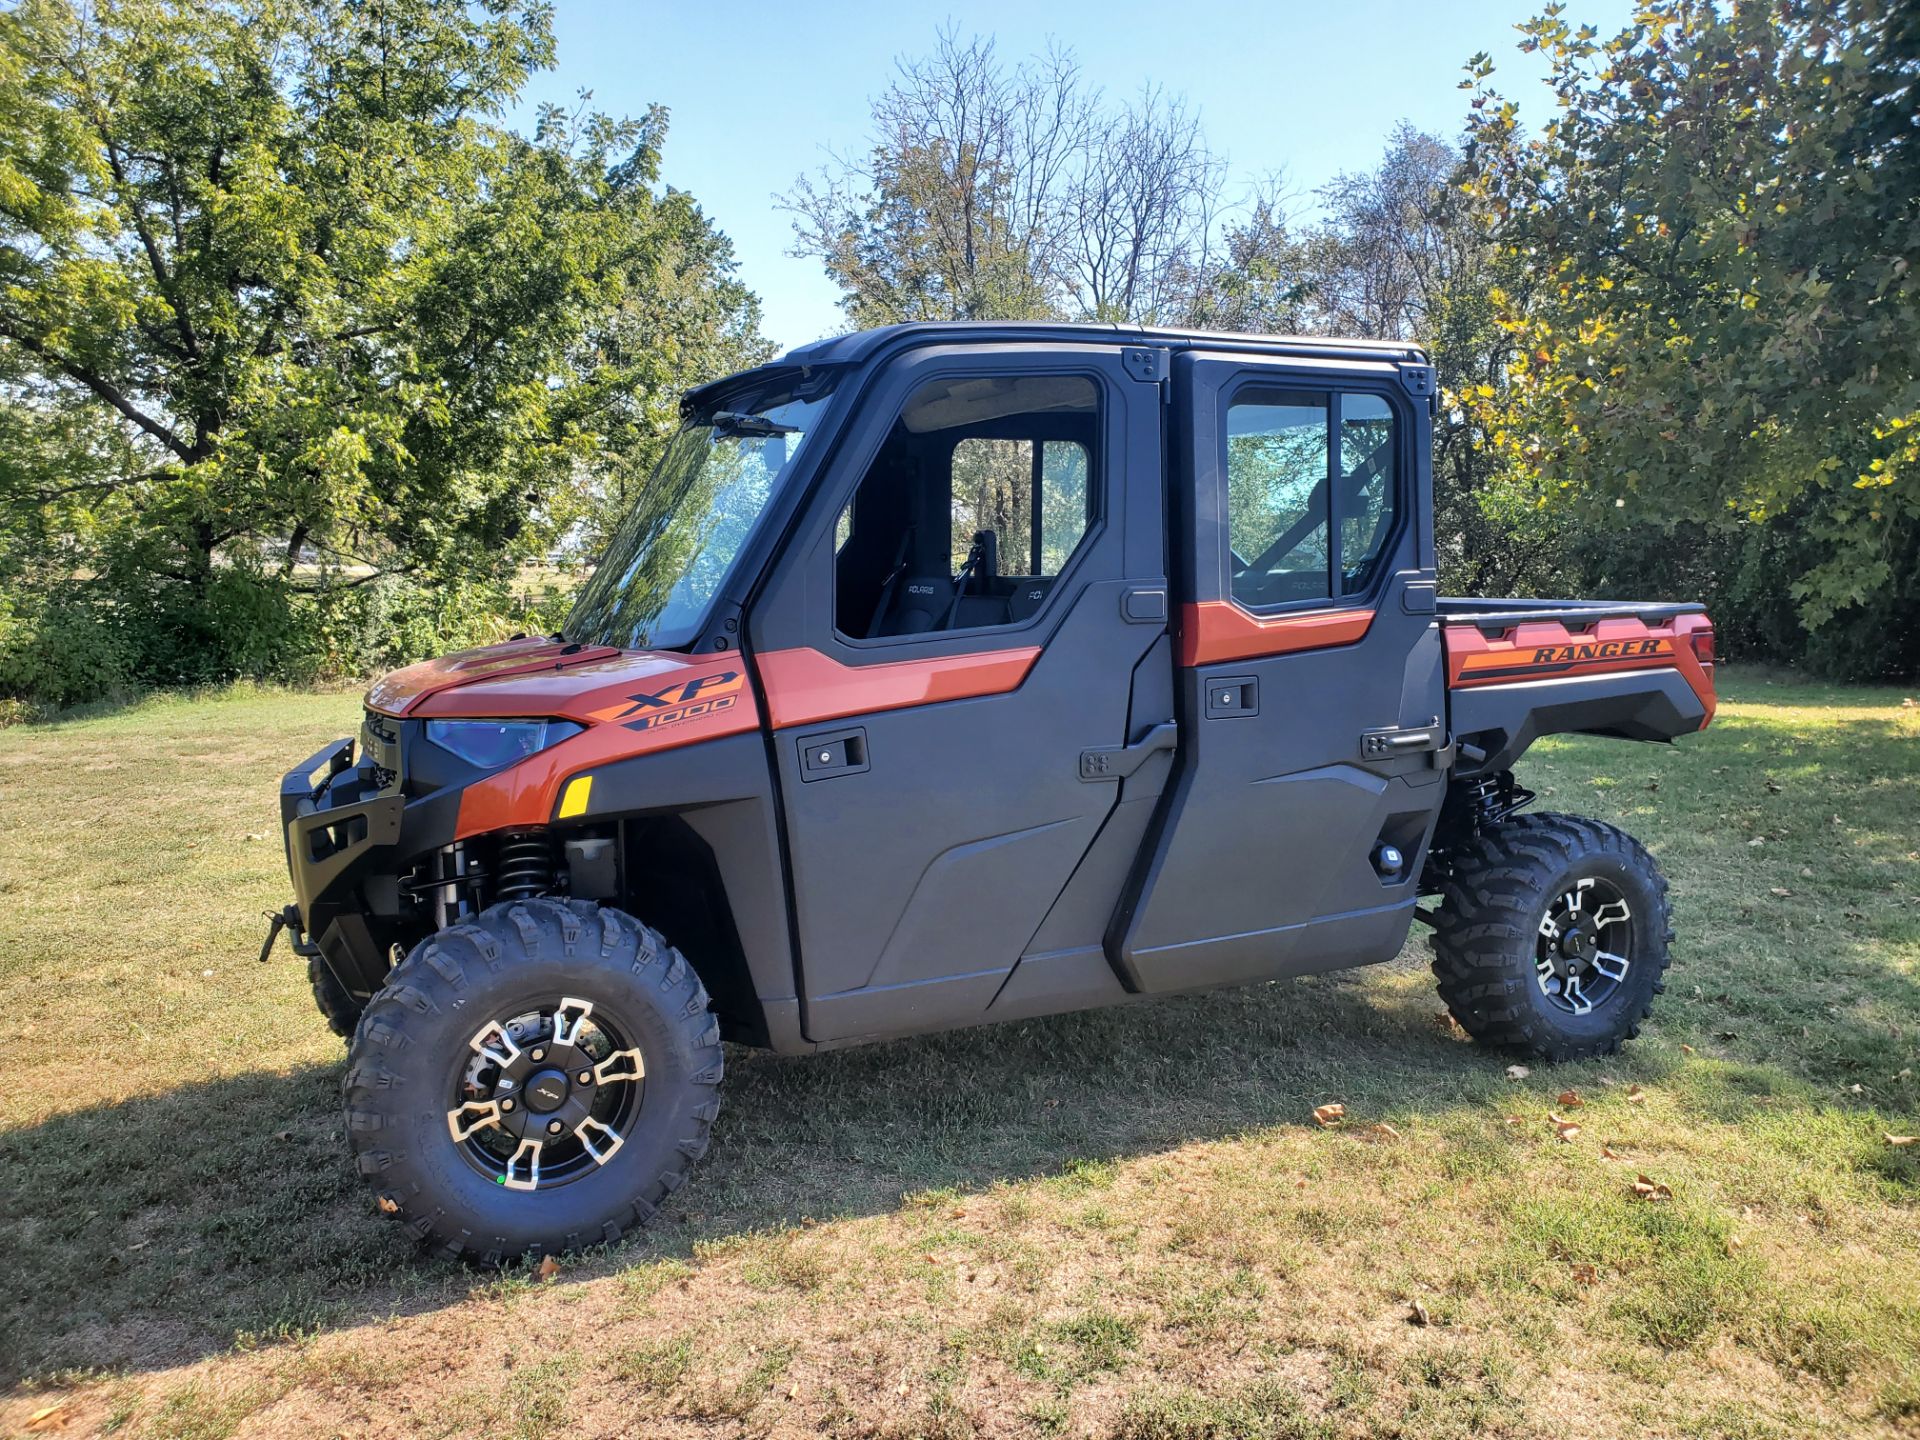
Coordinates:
(1584, 950)
(548, 1096)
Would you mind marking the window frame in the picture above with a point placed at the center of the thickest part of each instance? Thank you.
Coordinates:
(1100, 499)
(1317, 385)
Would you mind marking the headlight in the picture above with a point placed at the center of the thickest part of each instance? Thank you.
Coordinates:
(496, 744)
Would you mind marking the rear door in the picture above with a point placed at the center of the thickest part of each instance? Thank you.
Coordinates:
(958, 644)
(1310, 677)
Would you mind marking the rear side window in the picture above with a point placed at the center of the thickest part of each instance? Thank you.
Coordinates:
(1277, 496)
(1294, 534)
(1366, 495)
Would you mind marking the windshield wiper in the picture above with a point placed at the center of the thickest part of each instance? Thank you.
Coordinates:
(740, 422)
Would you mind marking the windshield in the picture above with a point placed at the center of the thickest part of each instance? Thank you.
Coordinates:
(669, 557)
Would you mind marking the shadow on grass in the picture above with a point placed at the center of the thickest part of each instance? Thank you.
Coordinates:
(161, 1229)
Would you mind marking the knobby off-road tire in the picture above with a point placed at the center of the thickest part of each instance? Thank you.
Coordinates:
(416, 1042)
(340, 1008)
(1488, 942)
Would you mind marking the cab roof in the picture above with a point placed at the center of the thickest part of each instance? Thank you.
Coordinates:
(863, 345)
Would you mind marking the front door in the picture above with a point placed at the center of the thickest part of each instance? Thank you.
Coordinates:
(1311, 694)
(961, 640)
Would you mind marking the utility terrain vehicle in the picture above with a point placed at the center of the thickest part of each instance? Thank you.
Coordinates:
(948, 674)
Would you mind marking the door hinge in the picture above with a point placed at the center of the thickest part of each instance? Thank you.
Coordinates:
(1145, 364)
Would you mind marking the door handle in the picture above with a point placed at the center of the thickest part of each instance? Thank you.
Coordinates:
(1386, 743)
(1116, 762)
(833, 752)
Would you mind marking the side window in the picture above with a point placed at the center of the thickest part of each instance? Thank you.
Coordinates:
(1294, 535)
(1277, 500)
(980, 496)
(1367, 497)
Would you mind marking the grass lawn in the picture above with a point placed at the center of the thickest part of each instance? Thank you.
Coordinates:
(1123, 1224)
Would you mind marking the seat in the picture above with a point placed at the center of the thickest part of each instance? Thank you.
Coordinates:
(920, 603)
(1028, 595)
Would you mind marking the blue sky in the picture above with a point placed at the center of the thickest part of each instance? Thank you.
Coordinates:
(760, 92)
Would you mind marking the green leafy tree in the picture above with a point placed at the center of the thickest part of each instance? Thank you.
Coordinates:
(324, 320)
(1714, 311)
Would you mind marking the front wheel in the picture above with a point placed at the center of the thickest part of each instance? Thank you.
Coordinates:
(536, 1080)
(1551, 937)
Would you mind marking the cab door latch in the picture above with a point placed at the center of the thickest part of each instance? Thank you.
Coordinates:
(1116, 762)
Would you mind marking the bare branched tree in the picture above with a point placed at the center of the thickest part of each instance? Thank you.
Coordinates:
(1392, 242)
(1141, 212)
(954, 213)
(997, 192)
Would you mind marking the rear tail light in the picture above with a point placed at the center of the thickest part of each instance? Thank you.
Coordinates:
(1702, 639)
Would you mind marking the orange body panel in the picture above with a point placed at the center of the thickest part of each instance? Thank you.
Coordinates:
(805, 687)
(632, 703)
(1215, 630)
(401, 691)
(1548, 650)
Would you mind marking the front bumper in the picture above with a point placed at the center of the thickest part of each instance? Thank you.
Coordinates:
(336, 831)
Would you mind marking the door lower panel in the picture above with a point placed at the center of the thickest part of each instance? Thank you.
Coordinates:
(1332, 942)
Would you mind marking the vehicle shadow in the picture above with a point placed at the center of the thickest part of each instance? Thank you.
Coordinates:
(165, 1228)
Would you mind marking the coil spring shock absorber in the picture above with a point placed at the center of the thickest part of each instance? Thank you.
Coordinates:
(524, 868)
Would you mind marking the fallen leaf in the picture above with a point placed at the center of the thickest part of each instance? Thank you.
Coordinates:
(1570, 1099)
(1897, 1140)
(1635, 1095)
(1735, 1244)
(1758, 840)
(1607, 1152)
(389, 1205)
(1652, 1189)
(1585, 1274)
(1419, 1315)
(1686, 1050)
(1515, 1120)
(547, 1269)
(1567, 1130)
(49, 1417)
(1781, 891)
(959, 1214)
(1329, 1115)
(1386, 1131)
(1518, 1072)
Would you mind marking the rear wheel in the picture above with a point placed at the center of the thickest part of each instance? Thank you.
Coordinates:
(537, 1080)
(1552, 936)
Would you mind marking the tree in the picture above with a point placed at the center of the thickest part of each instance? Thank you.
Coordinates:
(998, 193)
(344, 324)
(1714, 306)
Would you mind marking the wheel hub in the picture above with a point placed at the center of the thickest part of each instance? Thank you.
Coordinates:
(547, 1091)
(548, 1096)
(1584, 947)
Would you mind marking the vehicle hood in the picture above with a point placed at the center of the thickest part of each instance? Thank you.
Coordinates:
(538, 677)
